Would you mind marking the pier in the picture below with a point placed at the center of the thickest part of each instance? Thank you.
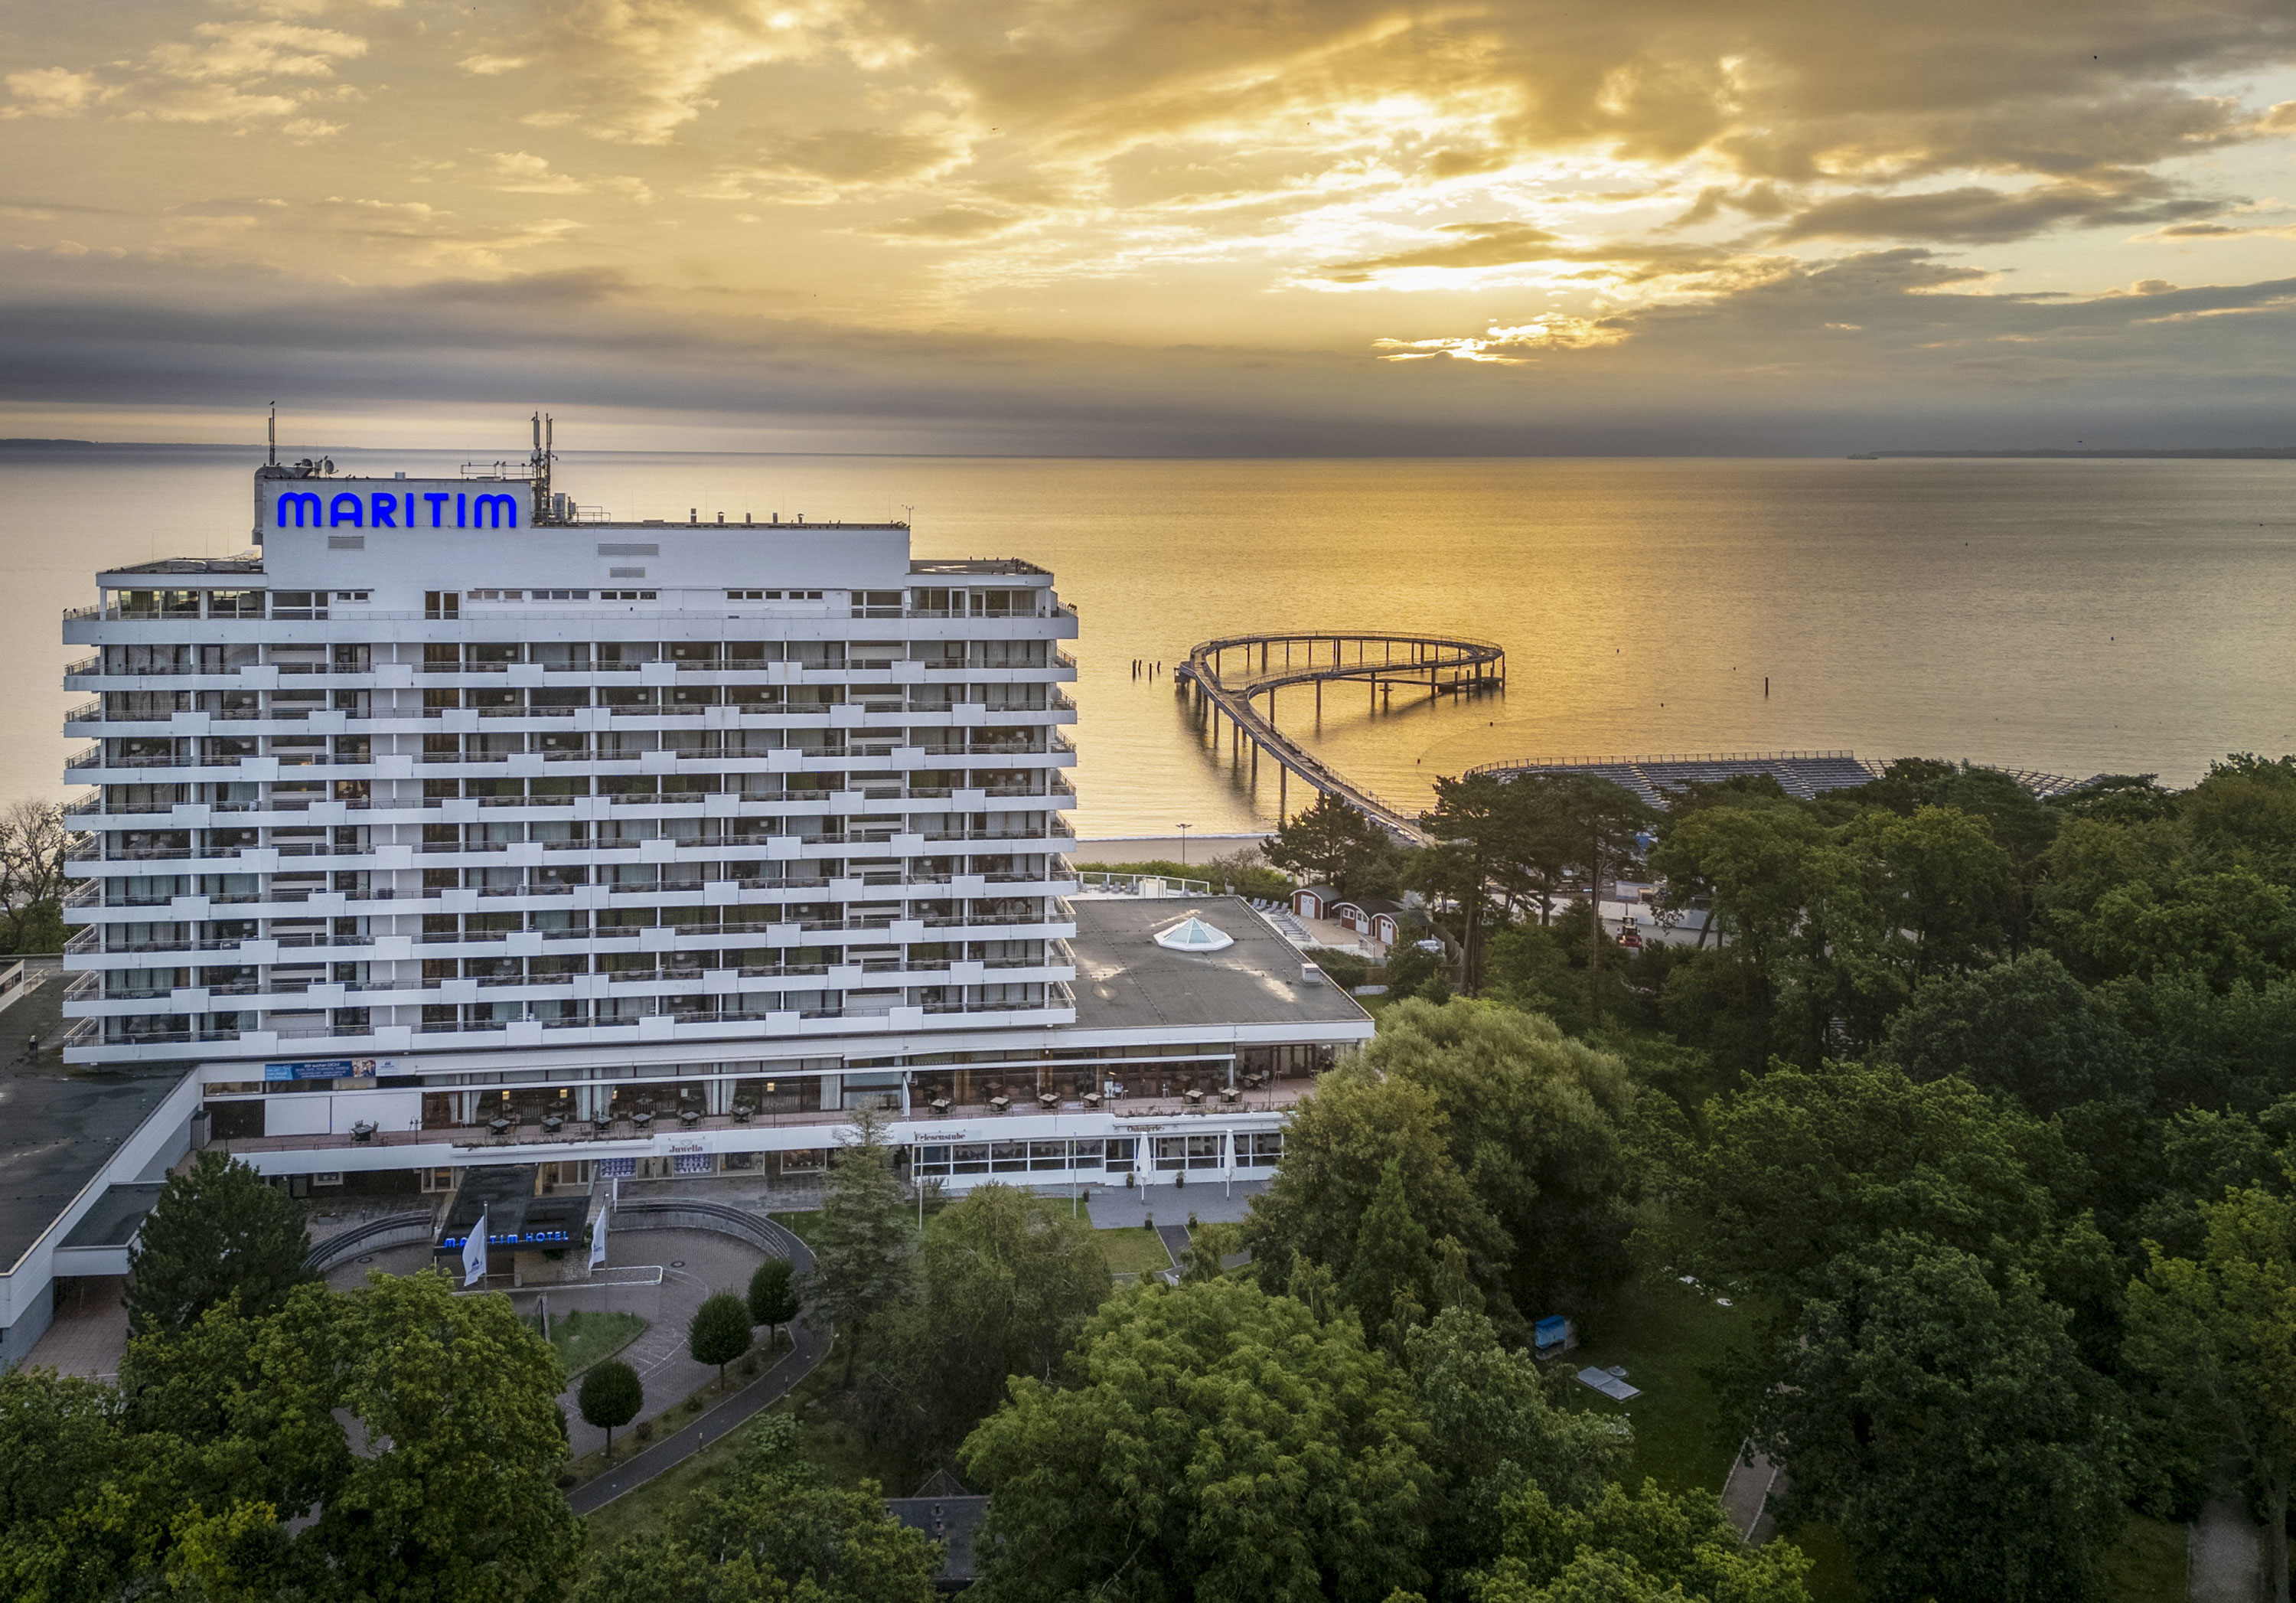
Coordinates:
(1229, 678)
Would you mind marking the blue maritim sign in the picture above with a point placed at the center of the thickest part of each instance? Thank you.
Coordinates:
(324, 504)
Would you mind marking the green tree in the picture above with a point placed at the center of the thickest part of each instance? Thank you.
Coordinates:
(773, 1296)
(2223, 929)
(719, 1332)
(1602, 824)
(1650, 1546)
(2026, 1030)
(463, 1502)
(776, 1517)
(1533, 1123)
(1335, 1152)
(2217, 1335)
(1004, 1287)
(1802, 1167)
(1330, 844)
(1208, 1246)
(35, 837)
(862, 1264)
(1393, 1258)
(1212, 1442)
(216, 1234)
(773, 1532)
(611, 1397)
(1493, 1429)
(1942, 886)
(1939, 1412)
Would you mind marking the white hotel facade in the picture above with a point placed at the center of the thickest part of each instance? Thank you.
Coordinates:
(448, 830)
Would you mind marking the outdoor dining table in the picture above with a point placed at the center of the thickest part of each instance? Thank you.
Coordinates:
(1048, 1098)
(939, 1104)
(641, 1119)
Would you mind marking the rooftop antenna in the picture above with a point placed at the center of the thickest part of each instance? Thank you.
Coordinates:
(539, 466)
(275, 434)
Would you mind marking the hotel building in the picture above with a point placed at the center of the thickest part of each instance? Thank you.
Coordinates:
(451, 827)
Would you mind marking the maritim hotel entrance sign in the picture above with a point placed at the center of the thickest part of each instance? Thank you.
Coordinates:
(432, 504)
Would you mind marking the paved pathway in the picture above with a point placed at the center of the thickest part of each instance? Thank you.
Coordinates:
(760, 1394)
(705, 1263)
(89, 1335)
(2227, 1553)
(1116, 1207)
(1746, 1497)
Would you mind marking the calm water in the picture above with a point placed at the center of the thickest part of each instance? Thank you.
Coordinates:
(2067, 616)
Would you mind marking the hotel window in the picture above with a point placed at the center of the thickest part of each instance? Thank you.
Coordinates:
(1263, 1149)
(627, 595)
(1187, 1152)
(346, 596)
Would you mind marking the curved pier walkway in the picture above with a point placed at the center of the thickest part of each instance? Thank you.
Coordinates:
(1228, 677)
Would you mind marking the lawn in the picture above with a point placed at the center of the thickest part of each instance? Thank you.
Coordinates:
(826, 1435)
(1664, 1335)
(582, 1338)
(2147, 1564)
(806, 1226)
(1132, 1249)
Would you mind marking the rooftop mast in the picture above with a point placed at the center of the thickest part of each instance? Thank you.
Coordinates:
(538, 466)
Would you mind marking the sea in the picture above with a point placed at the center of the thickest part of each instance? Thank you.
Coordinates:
(2072, 617)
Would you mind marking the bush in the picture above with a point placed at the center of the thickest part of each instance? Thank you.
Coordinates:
(773, 1296)
(1347, 969)
(720, 1333)
(644, 1431)
(611, 1395)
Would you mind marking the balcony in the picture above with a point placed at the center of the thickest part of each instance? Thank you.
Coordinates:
(578, 1133)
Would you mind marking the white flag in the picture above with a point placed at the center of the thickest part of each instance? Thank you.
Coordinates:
(474, 1252)
(598, 1241)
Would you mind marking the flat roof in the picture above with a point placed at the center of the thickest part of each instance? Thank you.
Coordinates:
(1125, 980)
(115, 1217)
(59, 1128)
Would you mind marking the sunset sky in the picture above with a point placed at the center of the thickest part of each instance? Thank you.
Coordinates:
(1128, 228)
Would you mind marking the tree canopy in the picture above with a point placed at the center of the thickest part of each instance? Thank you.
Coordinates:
(1211, 1440)
(217, 1234)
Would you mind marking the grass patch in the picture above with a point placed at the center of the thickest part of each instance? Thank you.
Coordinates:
(1832, 1578)
(1665, 1334)
(2146, 1562)
(806, 1226)
(583, 1338)
(827, 1434)
(1132, 1249)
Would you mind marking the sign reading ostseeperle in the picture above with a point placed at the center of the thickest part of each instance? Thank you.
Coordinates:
(395, 504)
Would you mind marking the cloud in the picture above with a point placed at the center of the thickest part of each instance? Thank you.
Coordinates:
(233, 52)
(50, 92)
(1977, 214)
(951, 223)
(1510, 346)
(520, 172)
(1464, 245)
(862, 155)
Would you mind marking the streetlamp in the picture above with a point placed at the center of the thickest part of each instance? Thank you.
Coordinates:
(1184, 843)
